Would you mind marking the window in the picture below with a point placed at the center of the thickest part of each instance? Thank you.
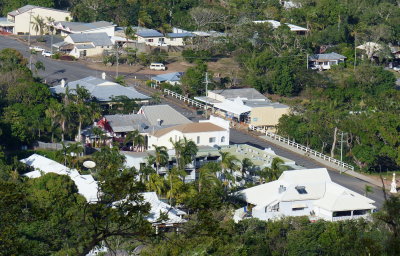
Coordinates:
(298, 209)
(301, 190)
(198, 139)
(223, 139)
(150, 40)
(84, 52)
(211, 140)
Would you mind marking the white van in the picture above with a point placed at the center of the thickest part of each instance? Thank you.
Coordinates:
(157, 66)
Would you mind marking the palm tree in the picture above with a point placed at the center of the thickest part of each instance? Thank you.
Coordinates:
(272, 173)
(207, 176)
(178, 147)
(97, 132)
(39, 66)
(368, 189)
(175, 183)
(131, 137)
(156, 183)
(189, 152)
(161, 157)
(38, 25)
(229, 163)
(139, 142)
(247, 165)
(53, 113)
(74, 150)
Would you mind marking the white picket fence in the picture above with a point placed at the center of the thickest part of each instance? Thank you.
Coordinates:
(185, 99)
(307, 150)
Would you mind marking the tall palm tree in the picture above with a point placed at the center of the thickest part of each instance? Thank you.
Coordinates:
(156, 183)
(98, 132)
(207, 176)
(189, 152)
(53, 113)
(38, 25)
(139, 142)
(161, 157)
(178, 147)
(272, 173)
(247, 165)
(131, 137)
(175, 183)
(229, 164)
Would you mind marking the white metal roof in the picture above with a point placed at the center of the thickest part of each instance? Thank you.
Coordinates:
(317, 185)
(236, 106)
(86, 185)
(157, 207)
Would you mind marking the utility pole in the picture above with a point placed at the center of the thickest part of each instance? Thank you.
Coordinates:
(117, 59)
(341, 145)
(29, 28)
(206, 82)
(307, 61)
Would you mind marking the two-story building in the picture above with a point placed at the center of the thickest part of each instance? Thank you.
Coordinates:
(20, 21)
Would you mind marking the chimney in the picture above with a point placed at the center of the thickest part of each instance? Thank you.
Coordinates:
(62, 83)
(103, 75)
(159, 121)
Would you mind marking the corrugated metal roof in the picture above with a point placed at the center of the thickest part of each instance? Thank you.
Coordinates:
(146, 32)
(327, 56)
(82, 26)
(98, 39)
(190, 128)
(179, 35)
(244, 93)
(165, 113)
(102, 90)
(172, 77)
(29, 7)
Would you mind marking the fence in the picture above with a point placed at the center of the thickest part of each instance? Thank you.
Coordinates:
(53, 146)
(307, 150)
(185, 99)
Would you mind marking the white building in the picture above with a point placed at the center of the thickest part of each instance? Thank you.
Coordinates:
(213, 132)
(20, 21)
(307, 192)
(86, 185)
(178, 39)
(88, 45)
(275, 24)
(325, 61)
(149, 36)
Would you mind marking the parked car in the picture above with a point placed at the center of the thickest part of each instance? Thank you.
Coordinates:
(397, 68)
(157, 66)
(36, 48)
(47, 54)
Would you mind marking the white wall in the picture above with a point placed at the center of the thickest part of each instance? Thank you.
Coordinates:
(146, 40)
(175, 41)
(22, 20)
(204, 138)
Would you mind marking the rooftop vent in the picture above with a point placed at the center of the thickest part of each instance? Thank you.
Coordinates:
(282, 189)
(301, 190)
(103, 75)
(62, 83)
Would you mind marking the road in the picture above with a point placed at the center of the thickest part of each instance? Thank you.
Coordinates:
(70, 71)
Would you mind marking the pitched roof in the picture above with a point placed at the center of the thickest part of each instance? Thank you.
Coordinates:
(146, 32)
(327, 56)
(102, 90)
(190, 128)
(179, 35)
(317, 185)
(157, 207)
(82, 26)
(275, 24)
(171, 77)
(127, 123)
(244, 93)
(86, 185)
(29, 7)
(165, 113)
(98, 39)
(235, 106)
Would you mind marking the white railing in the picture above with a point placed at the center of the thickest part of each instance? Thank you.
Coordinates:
(185, 99)
(308, 151)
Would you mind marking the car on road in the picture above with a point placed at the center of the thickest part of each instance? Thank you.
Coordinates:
(36, 48)
(397, 68)
(47, 54)
(157, 66)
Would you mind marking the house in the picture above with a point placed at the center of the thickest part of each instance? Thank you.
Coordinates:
(19, 21)
(86, 185)
(88, 45)
(173, 78)
(213, 132)
(157, 208)
(178, 39)
(163, 115)
(325, 61)
(275, 24)
(104, 91)
(245, 105)
(307, 192)
(149, 36)
(147, 120)
(65, 28)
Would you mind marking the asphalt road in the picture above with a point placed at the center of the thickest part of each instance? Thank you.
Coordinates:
(56, 70)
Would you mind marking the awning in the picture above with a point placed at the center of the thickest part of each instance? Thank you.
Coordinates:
(299, 205)
(233, 107)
